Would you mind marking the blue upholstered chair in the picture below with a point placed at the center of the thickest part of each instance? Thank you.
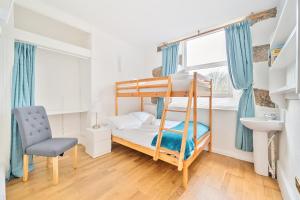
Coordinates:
(37, 138)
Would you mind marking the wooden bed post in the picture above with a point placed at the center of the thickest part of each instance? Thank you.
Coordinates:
(210, 118)
(142, 104)
(195, 108)
(142, 98)
(116, 100)
(185, 175)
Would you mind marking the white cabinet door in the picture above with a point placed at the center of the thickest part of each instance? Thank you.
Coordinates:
(48, 83)
(60, 82)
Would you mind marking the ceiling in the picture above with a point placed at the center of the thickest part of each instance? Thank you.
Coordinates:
(150, 22)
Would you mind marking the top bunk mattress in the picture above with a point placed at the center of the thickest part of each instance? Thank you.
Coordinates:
(180, 83)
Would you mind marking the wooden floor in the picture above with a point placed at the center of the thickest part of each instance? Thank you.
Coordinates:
(127, 174)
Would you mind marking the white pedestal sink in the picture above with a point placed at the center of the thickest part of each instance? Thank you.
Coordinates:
(261, 127)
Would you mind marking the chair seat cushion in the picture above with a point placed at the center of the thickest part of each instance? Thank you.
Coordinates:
(51, 147)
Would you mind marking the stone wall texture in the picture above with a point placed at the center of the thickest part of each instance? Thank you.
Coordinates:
(261, 53)
(262, 98)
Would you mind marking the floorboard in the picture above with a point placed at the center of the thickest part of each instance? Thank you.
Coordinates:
(127, 174)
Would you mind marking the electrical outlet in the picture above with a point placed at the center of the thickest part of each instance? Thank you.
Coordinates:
(297, 181)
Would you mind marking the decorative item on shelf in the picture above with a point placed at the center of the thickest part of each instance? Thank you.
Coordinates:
(96, 108)
(297, 181)
(274, 53)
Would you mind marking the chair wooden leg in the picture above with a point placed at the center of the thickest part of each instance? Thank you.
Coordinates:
(75, 156)
(48, 162)
(25, 167)
(185, 176)
(55, 170)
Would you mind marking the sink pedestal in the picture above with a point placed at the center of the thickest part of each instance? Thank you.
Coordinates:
(261, 127)
(260, 153)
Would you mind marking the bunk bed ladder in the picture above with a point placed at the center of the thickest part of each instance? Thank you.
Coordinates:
(186, 126)
(184, 133)
(163, 120)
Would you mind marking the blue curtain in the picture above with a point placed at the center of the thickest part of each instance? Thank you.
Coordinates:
(240, 65)
(22, 95)
(169, 63)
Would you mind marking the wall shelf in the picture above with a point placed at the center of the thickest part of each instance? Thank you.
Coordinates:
(60, 112)
(286, 24)
(284, 72)
(287, 55)
(284, 90)
(51, 44)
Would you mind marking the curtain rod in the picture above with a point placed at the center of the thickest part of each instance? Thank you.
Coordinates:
(253, 17)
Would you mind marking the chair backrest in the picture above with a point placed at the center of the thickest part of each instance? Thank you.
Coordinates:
(33, 125)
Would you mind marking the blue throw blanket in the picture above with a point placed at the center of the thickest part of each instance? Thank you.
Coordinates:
(172, 140)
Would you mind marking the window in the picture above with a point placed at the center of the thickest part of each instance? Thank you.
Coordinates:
(207, 55)
(206, 49)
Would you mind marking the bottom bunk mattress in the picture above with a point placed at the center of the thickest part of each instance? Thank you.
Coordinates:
(172, 140)
(146, 135)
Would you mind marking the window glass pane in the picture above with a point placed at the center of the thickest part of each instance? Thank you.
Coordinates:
(207, 49)
(222, 86)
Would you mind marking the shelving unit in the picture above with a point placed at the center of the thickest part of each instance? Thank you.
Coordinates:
(284, 72)
(284, 90)
(70, 92)
(59, 112)
(62, 67)
(51, 44)
(287, 54)
(286, 23)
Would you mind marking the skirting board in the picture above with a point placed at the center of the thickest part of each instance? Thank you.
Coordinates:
(284, 185)
(233, 154)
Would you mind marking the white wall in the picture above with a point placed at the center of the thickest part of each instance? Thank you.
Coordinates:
(5, 9)
(153, 58)
(6, 63)
(289, 152)
(40, 24)
(261, 75)
(113, 60)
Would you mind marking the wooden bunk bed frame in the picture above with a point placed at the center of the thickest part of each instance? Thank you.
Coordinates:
(134, 88)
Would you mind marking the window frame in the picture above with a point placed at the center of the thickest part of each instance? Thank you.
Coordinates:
(204, 66)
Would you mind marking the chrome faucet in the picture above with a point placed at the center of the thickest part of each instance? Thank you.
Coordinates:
(271, 116)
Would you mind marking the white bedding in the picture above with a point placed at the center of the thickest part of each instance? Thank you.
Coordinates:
(144, 135)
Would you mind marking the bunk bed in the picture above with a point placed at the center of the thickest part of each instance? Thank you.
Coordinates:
(190, 86)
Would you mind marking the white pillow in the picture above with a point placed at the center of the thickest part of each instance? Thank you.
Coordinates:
(125, 122)
(144, 117)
